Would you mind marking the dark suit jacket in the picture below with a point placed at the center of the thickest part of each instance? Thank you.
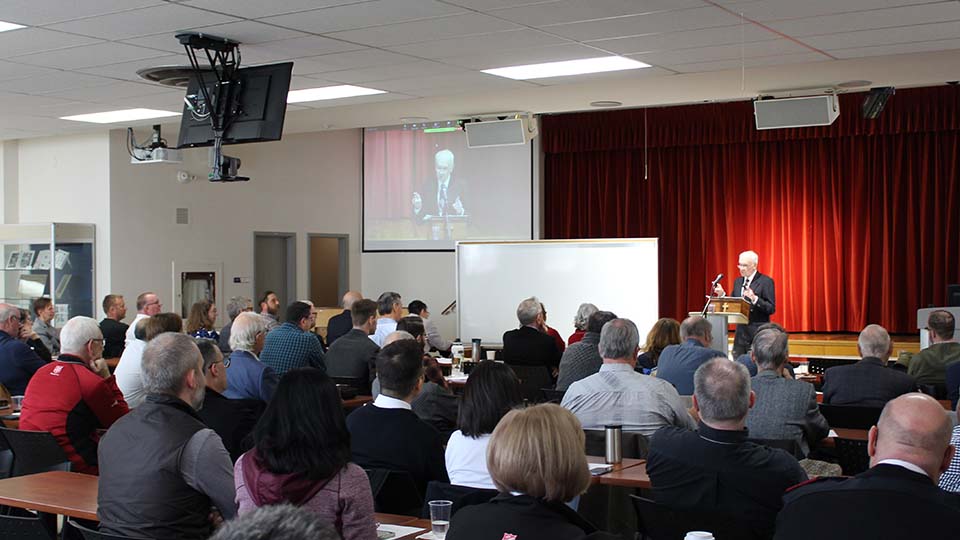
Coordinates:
(762, 285)
(887, 501)
(868, 383)
(353, 355)
(428, 195)
(338, 325)
(785, 409)
(232, 419)
(525, 517)
(526, 346)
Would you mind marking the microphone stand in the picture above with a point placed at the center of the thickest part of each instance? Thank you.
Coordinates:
(709, 296)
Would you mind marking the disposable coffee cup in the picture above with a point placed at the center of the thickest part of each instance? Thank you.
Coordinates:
(698, 535)
(491, 355)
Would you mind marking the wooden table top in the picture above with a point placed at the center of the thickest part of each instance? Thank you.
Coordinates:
(628, 473)
(356, 402)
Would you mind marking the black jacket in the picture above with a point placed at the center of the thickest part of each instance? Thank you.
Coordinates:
(353, 355)
(763, 286)
(232, 419)
(114, 336)
(525, 517)
(526, 346)
(338, 325)
(867, 383)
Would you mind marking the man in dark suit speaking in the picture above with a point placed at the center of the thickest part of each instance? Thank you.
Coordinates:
(758, 290)
(440, 198)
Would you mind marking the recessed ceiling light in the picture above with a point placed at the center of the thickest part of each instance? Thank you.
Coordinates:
(568, 67)
(605, 103)
(329, 92)
(4, 26)
(125, 115)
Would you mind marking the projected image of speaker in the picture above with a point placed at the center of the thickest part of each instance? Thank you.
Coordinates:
(796, 112)
(511, 132)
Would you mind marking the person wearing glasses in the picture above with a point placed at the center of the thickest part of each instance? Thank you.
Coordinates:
(18, 362)
(249, 378)
(148, 305)
(75, 397)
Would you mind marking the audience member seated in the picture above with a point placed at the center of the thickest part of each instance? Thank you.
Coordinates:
(665, 332)
(582, 359)
(128, 372)
(161, 468)
(580, 321)
(277, 522)
(786, 409)
(236, 306)
(391, 337)
(950, 479)
(715, 469)
(341, 323)
(746, 360)
(390, 309)
(530, 345)
(18, 362)
(291, 345)
(232, 419)
(929, 366)
(677, 363)
(537, 462)
(31, 339)
(435, 404)
(113, 328)
(270, 309)
(248, 377)
(435, 341)
(868, 383)
(44, 312)
(491, 392)
(75, 396)
(387, 434)
(354, 354)
(148, 305)
(552, 332)
(618, 395)
(200, 323)
(897, 497)
(301, 456)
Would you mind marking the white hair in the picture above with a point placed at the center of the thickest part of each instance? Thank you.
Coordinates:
(244, 330)
(397, 335)
(751, 256)
(75, 335)
(528, 310)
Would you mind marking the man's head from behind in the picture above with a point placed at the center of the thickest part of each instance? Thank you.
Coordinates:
(277, 522)
(389, 305)
(363, 314)
(770, 350)
(81, 337)
(172, 366)
(301, 314)
(874, 341)
(941, 325)
(721, 393)
(619, 342)
(599, 318)
(698, 328)
(414, 326)
(418, 308)
(238, 305)
(349, 298)
(530, 312)
(913, 428)
(400, 369)
(247, 332)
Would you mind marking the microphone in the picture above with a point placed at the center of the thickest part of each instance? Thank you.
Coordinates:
(714, 284)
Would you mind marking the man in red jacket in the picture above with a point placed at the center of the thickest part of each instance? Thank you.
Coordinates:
(75, 397)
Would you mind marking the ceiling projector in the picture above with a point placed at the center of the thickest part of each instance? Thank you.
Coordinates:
(155, 151)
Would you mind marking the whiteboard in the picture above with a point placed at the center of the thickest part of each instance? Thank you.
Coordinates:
(493, 278)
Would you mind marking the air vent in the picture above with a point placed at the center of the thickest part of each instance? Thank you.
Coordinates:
(175, 76)
(183, 216)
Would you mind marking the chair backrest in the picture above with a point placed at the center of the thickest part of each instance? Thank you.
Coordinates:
(552, 395)
(360, 384)
(633, 445)
(658, 522)
(818, 365)
(394, 492)
(532, 379)
(938, 391)
(852, 455)
(90, 534)
(460, 495)
(25, 528)
(34, 452)
(792, 446)
(850, 416)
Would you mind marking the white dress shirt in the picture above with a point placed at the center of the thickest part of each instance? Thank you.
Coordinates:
(466, 460)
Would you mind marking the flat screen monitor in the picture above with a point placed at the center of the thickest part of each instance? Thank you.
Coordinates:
(263, 106)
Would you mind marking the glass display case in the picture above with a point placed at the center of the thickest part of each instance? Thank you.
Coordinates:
(49, 259)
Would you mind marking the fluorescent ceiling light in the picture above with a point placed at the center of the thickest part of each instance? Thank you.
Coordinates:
(568, 67)
(329, 92)
(126, 115)
(4, 26)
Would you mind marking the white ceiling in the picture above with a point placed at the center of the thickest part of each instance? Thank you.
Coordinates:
(81, 56)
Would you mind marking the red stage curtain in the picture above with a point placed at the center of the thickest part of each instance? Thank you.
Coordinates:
(858, 222)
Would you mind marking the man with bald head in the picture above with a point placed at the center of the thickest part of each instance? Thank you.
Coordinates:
(897, 497)
(759, 291)
(340, 324)
(867, 383)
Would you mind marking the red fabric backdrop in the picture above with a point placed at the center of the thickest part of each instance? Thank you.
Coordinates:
(858, 222)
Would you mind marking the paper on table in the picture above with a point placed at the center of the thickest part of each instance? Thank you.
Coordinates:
(429, 536)
(600, 468)
(832, 433)
(398, 530)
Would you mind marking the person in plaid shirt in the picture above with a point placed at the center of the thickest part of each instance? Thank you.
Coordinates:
(291, 345)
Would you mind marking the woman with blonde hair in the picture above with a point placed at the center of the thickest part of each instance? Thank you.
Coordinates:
(203, 317)
(537, 461)
(665, 332)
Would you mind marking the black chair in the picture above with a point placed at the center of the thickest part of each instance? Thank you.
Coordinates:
(6, 459)
(817, 366)
(532, 379)
(361, 385)
(34, 452)
(460, 495)
(791, 446)
(633, 445)
(852, 455)
(937, 391)
(850, 416)
(552, 395)
(75, 530)
(25, 528)
(658, 522)
(394, 492)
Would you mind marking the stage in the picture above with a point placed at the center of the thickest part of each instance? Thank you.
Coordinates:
(841, 345)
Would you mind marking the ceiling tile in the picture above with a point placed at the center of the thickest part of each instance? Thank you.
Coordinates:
(357, 100)
(497, 41)
(519, 57)
(255, 9)
(248, 32)
(40, 12)
(485, 5)
(34, 40)
(429, 30)
(128, 70)
(53, 82)
(764, 61)
(612, 76)
(423, 68)
(348, 60)
(873, 19)
(568, 11)
(286, 49)
(887, 36)
(167, 101)
(18, 103)
(109, 93)
(899, 48)
(68, 108)
(162, 42)
(722, 52)
(772, 10)
(142, 22)
(635, 25)
(707, 37)
(12, 70)
(363, 15)
(100, 54)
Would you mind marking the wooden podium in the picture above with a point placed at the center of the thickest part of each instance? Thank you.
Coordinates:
(722, 311)
(447, 227)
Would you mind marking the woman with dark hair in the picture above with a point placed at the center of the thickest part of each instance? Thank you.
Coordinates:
(28, 336)
(301, 456)
(491, 392)
(665, 332)
(202, 320)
